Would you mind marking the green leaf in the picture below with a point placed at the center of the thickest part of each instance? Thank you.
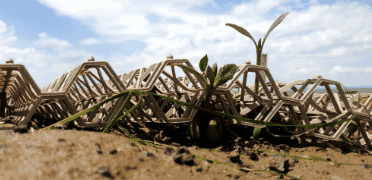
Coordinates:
(209, 72)
(214, 73)
(117, 116)
(214, 68)
(276, 23)
(259, 45)
(256, 132)
(225, 67)
(225, 74)
(242, 31)
(203, 63)
(88, 110)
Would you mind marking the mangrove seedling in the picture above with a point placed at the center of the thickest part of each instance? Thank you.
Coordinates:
(259, 48)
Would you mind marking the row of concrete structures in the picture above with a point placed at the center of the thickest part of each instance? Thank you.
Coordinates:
(84, 86)
(79, 89)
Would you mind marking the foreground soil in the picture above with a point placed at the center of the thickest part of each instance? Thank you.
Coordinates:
(74, 154)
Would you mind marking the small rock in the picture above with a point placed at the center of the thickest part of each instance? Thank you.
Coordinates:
(337, 149)
(237, 147)
(253, 156)
(209, 161)
(168, 151)
(238, 140)
(188, 159)
(182, 149)
(132, 144)
(325, 172)
(199, 169)
(292, 161)
(114, 151)
(61, 140)
(235, 156)
(365, 166)
(283, 147)
(140, 159)
(280, 165)
(183, 156)
(149, 154)
(104, 172)
(177, 158)
(280, 176)
(98, 150)
(328, 159)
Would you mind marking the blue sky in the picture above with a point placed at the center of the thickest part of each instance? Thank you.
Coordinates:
(51, 37)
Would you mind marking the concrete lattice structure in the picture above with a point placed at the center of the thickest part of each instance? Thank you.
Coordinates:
(84, 86)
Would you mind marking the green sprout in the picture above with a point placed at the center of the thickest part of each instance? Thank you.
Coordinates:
(259, 48)
(209, 75)
(211, 78)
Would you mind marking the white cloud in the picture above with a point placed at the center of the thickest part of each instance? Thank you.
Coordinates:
(51, 42)
(364, 35)
(340, 69)
(43, 35)
(61, 68)
(89, 41)
(20, 56)
(316, 40)
(7, 39)
(3, 28)
(337, 51)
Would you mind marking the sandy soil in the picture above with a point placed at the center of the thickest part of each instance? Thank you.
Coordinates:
(74, 154)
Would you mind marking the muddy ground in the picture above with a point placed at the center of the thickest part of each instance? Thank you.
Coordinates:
(75, 153)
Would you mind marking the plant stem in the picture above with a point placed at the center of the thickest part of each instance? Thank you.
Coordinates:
(258, 62)
(257, 130)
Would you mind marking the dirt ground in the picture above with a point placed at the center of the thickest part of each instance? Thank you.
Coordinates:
(76, 154)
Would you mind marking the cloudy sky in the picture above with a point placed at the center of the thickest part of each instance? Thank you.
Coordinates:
(51, 37)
